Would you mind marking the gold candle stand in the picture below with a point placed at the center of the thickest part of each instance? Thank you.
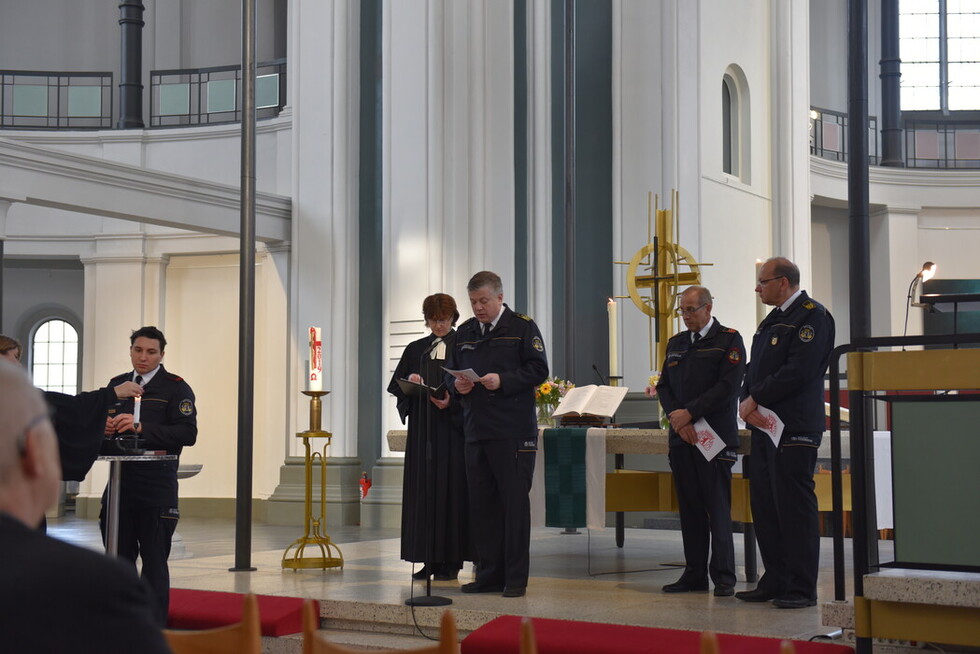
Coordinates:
(312, 535)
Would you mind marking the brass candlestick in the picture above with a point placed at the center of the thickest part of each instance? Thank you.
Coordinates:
(312, 535)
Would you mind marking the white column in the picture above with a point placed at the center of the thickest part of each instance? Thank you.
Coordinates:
(539, 164)
(323, 71)
(894, 262)
(789, 109)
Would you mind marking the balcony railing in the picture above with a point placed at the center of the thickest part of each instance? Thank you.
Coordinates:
(829, 134)
(209, 96)
(55, 100)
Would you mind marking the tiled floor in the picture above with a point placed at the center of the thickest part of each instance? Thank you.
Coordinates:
(583, 576)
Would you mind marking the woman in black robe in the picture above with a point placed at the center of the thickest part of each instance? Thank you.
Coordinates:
(422, 362)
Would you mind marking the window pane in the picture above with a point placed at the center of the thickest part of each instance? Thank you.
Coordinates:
(918, 6)
(30, 100)
(920, 98)
(266, 91)
(959, 25)
(174, 99)
(962, 6)
(963, 49)
(221, 95)
(920, 75)
(913, 50)
(55, 357)
(84, 101)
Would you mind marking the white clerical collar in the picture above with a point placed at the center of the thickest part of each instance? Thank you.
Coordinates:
(792, 298)
(147, 377)
(707, 327)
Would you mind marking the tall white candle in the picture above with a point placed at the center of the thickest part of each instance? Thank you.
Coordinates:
(137, 401)
(613, 349)
(315, 378)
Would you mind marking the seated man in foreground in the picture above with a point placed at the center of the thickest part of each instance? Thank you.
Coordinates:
(55, 597)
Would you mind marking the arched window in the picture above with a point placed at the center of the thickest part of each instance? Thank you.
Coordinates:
(54, 356)
(735, 124)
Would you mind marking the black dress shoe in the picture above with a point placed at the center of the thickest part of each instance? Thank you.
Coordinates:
(422, 574)
(793, 602)
(515, 591)
(682, 586)
(724, 590)
(446, 576)
(477, 587)
(757, 595)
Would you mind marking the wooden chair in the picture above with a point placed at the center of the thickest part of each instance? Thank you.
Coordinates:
(242, 638)
(529, 644)
(315, 643)
(786, 647)
(709, 642)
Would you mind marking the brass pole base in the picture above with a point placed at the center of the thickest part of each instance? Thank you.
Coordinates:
(297, 561)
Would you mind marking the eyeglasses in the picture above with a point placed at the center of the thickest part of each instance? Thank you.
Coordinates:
(688, 311)
(766, 281)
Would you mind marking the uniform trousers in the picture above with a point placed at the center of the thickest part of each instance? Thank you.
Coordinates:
(704, 498)
(499, 478)
(784, 511)
(147, 532)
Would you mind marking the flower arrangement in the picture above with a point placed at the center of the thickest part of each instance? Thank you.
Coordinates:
(651, 389)
(549, 393)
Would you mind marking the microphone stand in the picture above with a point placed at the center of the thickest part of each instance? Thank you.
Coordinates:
(425, 407)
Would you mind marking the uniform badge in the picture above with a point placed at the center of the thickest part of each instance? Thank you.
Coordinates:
(809, 305)
(774, 340)
(806, 333)
(537, 344)
(734, 355)
(186, 407)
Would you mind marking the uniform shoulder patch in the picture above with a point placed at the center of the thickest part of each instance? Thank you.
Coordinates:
(729, 330)
(537, 344)
(807, 333)
(186, 407)
(175, 377)
(523, 316)
(734, 355)
(809, 305)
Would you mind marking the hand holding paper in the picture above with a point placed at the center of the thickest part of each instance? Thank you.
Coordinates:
(708, 442)
(771, 424)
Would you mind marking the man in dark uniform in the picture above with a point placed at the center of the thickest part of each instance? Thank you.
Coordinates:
(148, 497)
(700, 378)
(500, 426)
(790, 353)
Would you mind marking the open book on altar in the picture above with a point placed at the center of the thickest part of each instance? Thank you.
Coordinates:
(591, 400)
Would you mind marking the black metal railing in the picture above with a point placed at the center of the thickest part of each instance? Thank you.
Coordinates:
(210, 96)
(828, 135)
(55, 100)
(942, 144)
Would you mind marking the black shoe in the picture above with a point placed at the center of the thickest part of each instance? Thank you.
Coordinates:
(446, 576)
(793, 602)
(515, 591)
(757, 595)
(682, 586)
(724, 590)
(422, 574)
(477, 587)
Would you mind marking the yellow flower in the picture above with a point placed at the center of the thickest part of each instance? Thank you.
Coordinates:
(545, 388)
(654, 378)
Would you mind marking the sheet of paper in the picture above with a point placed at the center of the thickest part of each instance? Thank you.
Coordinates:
(709, 443)
(774, 426)
(469, 373)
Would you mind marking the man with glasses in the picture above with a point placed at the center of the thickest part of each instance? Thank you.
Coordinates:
(700, 379)
(108, 609)
(790, 354)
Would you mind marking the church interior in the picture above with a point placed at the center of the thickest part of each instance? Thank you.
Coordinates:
(403, 145)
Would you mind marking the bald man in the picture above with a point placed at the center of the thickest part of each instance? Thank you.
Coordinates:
(106, 607)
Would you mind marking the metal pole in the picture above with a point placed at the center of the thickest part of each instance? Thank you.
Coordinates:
(862, 452)
(131, 64)
(891, 97)
(570, 267)
(246, 298)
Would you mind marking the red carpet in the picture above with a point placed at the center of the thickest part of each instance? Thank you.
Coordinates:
(500, 636)
(203, 609)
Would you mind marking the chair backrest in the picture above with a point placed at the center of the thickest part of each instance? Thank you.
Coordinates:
(786, 647)
(709, 643)
(529, 644)
(244, 637)
(316, 643)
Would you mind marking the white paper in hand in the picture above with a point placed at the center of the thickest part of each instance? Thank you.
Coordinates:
(774, 426)
(469, 373)
(709, 443)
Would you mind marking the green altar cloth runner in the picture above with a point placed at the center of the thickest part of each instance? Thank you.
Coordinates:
(565, 477)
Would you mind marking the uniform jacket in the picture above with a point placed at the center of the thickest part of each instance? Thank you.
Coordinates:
(514, 350)
(111, 609)
(704, 378)
(169, 419)
(790, 354)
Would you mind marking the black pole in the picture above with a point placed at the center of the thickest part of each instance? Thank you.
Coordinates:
(859, 274)
(891, 97)
(246, 298)
(131, 64)
(570, 267)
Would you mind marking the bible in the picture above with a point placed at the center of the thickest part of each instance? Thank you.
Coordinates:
(591, 400)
